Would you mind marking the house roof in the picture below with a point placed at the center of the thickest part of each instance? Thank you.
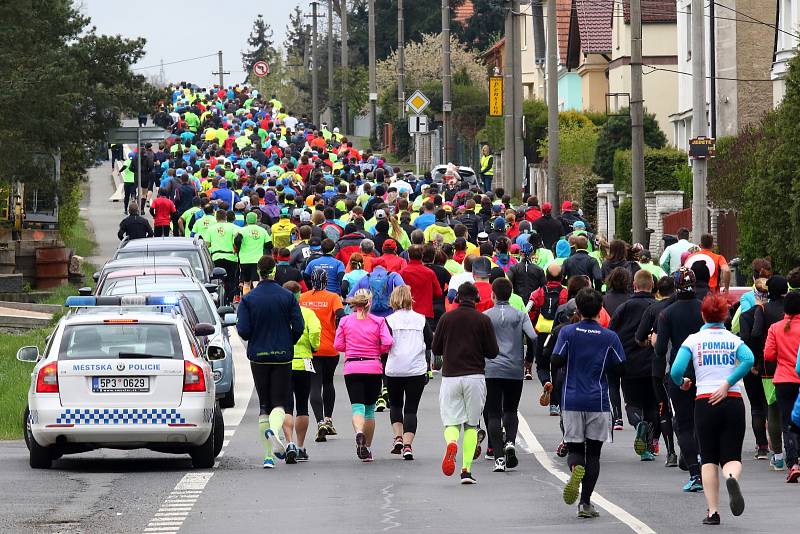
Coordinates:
(652, 11)
(594, 25)
(563, 10)
(464, 12)
(495, 48)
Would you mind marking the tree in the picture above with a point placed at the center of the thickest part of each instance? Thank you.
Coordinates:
(485, 27)
(260, 43)
(296, 35)
(616, 134)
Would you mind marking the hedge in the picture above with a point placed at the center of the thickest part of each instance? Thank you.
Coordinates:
(663, 169)
(625, 220)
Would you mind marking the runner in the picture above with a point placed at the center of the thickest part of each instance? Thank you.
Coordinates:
(363, 337)
(719, 409)
(271, 322)
(134, 226)
(252, 243)
(464, 338)
(223, 253)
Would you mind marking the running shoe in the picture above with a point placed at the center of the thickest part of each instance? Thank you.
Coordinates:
(572, 488)
(735, 496)
(467, 478)
(291, 453)
(430, 375)
(672, 460)
(587, 511)
(777, 464)
(555, 410)
(544, 398)
(489, 454)
(408, 453)
(499, 465)
(618, 424)
(269, 463)
(562, 450)
(640, 441)
(511, 455)
(380, 404)
(329, 429)
(528, 375)
(368, 458)
(693, 485)
(302, 455)
(321, 432)
(761, 454)
(449, 462)
(647, 456)
(794, 475)
(398, 445)
(478, 449)
(655, 447)
(712, 519)
(361, 446)
(277, 446)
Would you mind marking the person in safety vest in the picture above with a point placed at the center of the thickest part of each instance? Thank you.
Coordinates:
(487, 168)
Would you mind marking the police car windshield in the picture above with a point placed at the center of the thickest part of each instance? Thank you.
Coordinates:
(190, 254)
(113, 341)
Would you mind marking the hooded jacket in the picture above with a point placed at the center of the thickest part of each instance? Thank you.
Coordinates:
(271, 322)
(624, 322)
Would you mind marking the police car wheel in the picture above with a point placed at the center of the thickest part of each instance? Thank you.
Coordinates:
(40, 457)
(218, 430)
(203, 455)
(229, 400)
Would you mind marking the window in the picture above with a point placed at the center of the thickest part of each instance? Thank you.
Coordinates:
(108, 341)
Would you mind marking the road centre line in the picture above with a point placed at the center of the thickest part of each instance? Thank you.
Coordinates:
(543, 457)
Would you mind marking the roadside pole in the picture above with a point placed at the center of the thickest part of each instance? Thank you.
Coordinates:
(637, 126)
(699, 126)
(401, 61)
(553, 148)
(139, 166)
(447, 102)
(345, 65)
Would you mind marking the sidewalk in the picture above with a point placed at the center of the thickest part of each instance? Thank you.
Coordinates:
(102, 215)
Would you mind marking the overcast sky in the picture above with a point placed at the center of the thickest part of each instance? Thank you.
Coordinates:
(180, 30)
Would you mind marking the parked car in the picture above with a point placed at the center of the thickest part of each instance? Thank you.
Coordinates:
(469, 177)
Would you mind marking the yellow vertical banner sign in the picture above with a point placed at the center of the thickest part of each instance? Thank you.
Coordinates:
(496, 96)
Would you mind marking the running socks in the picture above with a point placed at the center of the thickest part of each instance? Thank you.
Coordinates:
(263, 426)
(451, 433)
(470, 444)
(276, 417)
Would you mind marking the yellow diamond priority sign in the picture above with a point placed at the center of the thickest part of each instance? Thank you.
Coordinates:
(418, 102)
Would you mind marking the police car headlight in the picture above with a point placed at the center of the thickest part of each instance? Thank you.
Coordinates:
(217, 375)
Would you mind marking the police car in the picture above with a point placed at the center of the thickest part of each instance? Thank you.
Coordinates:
(123, 373)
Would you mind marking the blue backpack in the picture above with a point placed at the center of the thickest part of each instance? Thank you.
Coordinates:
(379, 286)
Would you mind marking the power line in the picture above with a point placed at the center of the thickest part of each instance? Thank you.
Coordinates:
(707, 77)
(174, 62)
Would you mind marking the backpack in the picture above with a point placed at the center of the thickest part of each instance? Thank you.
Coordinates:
(552, 296)
(379, 286)
(332, 231)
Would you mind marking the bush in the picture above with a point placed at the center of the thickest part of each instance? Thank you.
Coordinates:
(625, 220)
(599, 118)
(683, 173)
(588, 198)
(660, 169)
(729, 170)
(577, 145)
(493, 132)
(616, 134)
(535, 113)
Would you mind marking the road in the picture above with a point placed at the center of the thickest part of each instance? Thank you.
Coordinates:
(142, 492)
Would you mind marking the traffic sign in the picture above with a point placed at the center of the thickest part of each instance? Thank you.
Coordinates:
(496, 96)
(260, 68)
(418, 124)
(418, 102)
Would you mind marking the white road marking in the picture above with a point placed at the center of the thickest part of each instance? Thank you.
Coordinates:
(544, 458)
(179, 503)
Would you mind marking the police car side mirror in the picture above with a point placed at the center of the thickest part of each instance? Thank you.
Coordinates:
(28, 354)
(85, 291)
(218, 273)
(225, 310)
(203, 329)
(229, 319)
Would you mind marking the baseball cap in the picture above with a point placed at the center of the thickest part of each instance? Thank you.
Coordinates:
(499, 224)
(284, 212)
(497, 208)
(390, 244)
(547, 207)
(380, 215)
(315, 243)
(566, 205)
(578, 224)
(481, 266)
(298, 212)
(305, 216)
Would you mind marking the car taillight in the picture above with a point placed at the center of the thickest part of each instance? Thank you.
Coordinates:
(47, 379)
(193, 377)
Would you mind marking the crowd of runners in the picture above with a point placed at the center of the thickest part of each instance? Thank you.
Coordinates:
(332, 254)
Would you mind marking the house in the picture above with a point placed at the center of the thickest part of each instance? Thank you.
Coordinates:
(785, 41)
(738, 70)
(659, 57)
(589, 50)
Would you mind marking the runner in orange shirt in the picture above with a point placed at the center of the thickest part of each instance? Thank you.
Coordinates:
(717, 264)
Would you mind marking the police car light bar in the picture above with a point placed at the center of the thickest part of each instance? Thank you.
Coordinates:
(124, 300)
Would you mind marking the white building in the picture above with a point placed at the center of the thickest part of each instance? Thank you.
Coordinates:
(785, 45)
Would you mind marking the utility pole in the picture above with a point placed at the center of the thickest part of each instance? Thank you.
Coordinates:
(639, 218)
(512, 96)
(345, 65)
(401, 61)
(553, 148)
(330, 59)
(447, 102)
(221, 72)
(699, 125)
(314, 65)
(373, 89)
(162, 77)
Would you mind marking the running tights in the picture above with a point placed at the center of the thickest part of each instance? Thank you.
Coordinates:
(615, 397)
(664, 427)
(683, 403)
(774, 428)
(758, 408)
(588, 455)
(640, 402)
(787, 395)
(502, 402)
(405, 393)
(323, 396)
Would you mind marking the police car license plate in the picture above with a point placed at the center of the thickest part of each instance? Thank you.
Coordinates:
(120, 384)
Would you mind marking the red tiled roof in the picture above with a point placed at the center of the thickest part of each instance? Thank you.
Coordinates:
(653, 11)
(563, 9)
(464, 12)
(594, 25)
(495, 48)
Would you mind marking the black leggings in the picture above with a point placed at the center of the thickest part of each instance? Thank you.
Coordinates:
(231, 277)
(614, 396)
(720, 430)
(273, 383)
(683, 404)
(640, 402)
(298, 396)
(787, 395)
(588, 455)
(323, 395)
(542, 360)
(758, 408)
(363, 388)
(502, 402)
(405, 393)
(664, 427)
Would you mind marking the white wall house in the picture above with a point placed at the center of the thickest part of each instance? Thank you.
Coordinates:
(785, 45)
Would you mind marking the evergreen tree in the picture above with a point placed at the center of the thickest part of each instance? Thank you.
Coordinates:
(260, 43)
(485, 27)
(616, 134)
(296, 35)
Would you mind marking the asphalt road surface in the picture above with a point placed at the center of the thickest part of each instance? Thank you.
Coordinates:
(143, 492)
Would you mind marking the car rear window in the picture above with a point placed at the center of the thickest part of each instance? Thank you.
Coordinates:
(108, 341)
(192, 255)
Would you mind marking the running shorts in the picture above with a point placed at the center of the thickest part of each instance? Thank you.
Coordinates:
(461, 399)
(720, 430)
(580, 426)
(363, 388)
(248, 272)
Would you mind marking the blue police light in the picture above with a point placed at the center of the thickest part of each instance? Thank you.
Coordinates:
(163, 300)
(79, 301)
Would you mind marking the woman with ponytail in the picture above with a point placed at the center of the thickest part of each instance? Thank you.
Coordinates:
(783, 338)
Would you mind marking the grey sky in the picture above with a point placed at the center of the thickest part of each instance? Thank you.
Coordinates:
(177, 30)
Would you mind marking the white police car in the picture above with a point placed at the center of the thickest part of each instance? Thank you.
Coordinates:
(123, 373)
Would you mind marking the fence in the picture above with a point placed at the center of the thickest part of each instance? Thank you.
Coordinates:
(723, 226)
